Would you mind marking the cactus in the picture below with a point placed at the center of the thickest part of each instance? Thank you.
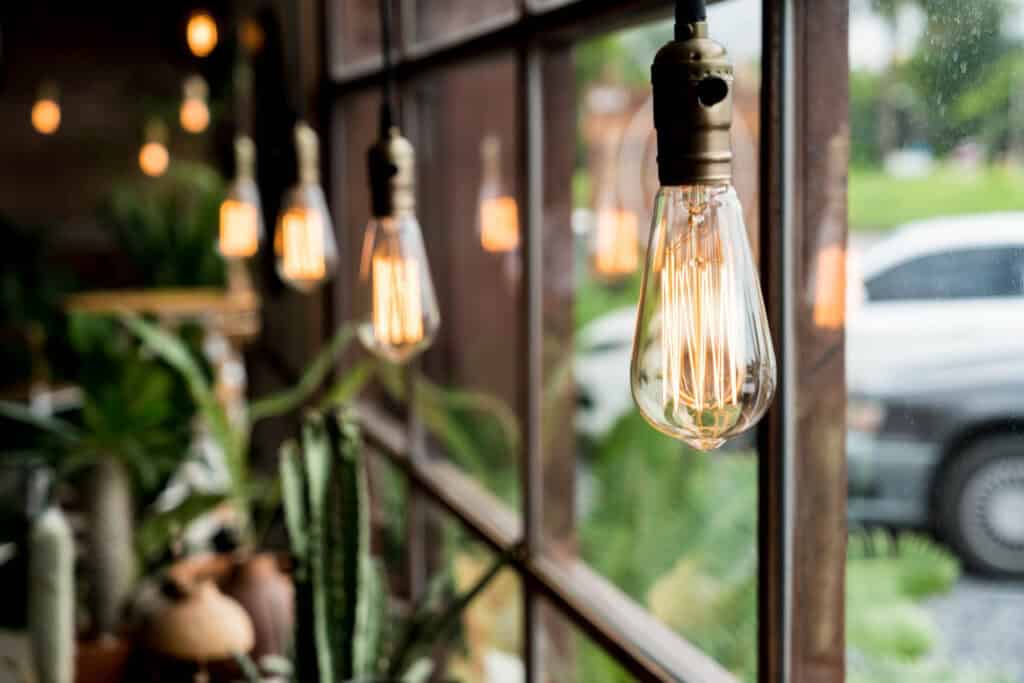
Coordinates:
(111, 562)
(337, 588)
(51, 597)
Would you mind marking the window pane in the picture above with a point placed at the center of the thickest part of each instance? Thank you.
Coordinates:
(672, 528)
(466, 138)
(571, 657)
(434, 20)
(934, 341)
(354, 35)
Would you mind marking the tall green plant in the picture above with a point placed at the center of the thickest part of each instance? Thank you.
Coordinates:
(344, 627)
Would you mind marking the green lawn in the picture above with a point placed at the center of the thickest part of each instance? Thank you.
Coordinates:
(881, 202)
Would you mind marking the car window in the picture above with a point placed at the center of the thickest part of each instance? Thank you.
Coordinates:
(959, 274)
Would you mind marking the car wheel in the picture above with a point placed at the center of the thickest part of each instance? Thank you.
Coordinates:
(982, 504)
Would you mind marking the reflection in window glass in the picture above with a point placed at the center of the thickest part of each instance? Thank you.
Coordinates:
(672, 528)
(935, 341)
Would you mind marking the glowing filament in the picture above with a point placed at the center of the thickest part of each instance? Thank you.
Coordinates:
(302, 246)
(616, 249)
(703, 335)
(397, 308)
(46, 116)
(499, 224)
(239, 229)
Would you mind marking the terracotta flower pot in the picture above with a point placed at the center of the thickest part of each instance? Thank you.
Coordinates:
(268, 595)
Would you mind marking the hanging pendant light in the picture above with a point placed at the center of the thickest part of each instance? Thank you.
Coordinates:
(397, 310)
(499, 214)
(241, 215)
(703, 366)
(46, 109)
(201, 33)
(304, 244)
(153, 156)
(194, 113)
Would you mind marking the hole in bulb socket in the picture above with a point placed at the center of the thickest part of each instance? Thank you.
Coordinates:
(711, 91)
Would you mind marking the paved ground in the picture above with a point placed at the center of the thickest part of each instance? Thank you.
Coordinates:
(982, 624)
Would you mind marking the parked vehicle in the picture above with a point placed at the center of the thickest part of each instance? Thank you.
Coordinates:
(935, 375)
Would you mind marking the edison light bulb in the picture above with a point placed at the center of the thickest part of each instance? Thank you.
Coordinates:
(153, 156)
(241, 215)
(397, 307)
(46, 110)
(304, 246)
(616, 243)
(195, 113)
(703, 367)
(499, 214)
(201, 33)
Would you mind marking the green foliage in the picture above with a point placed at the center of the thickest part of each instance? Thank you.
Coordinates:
(168, 225)
(878, 201)
(343, 628)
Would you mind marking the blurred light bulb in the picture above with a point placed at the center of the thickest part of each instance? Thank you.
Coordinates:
(251, 35)
(397, 307)
(400, 309)
(703, 367)
(241, 214)
(201, 33)
(195, 113)
(499, 214)
(154, 157)
(616, 243)
(304, 244)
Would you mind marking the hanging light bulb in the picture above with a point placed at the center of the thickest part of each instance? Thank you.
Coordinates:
(499, 214)
(304, 245)
(397, 308)
(195, 113)
(251, 35)
(46, 109)
(241, 215)
(153, 156)
(616, 238)
(201, 33)
(703, 367)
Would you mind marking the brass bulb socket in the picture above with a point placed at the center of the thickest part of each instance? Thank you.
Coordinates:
(245, 158)
(392, 164)
(307, 152)
(692, 83)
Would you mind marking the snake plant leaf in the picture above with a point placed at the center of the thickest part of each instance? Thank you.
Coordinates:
(290, 399)
(55, 426)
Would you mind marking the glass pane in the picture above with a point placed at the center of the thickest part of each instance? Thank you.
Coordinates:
(486, 643)
(465, 133)
(434, 20)
(673, 528)
(935, 288)
(354, 36)
(572, 657)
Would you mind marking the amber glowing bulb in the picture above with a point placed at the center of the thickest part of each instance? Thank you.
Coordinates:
(241, 215)
(153, 156)
(499, 214)
(195, 112)
(201, 33)
(305, 250)
(46, 110)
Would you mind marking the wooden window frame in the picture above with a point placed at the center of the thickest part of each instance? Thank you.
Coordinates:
(801, 470)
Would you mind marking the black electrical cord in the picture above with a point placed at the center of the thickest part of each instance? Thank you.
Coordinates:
(296, 29)
(689, 12)
(386, 117)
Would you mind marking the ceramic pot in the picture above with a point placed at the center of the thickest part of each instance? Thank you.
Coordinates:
(104, 660)
(268, 595)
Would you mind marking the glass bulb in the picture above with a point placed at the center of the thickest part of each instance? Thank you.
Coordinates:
(241, 220)
(46, 116)
(616, 243)
(154, 158)
(398, 313)
(201, 33)
(499, 214)
(194, 115)
(703, 367)
(304, 244)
